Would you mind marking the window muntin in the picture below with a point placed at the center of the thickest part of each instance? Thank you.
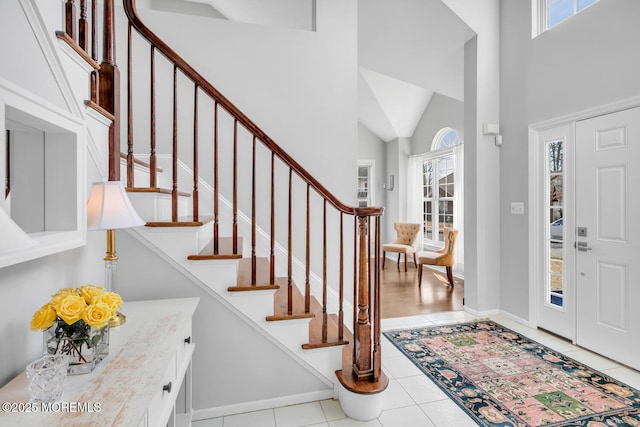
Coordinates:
(555, 229)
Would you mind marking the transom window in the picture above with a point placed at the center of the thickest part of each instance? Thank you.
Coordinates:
(552, 12)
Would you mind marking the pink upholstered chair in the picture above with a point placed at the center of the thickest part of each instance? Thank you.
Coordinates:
(443, 257)
(405, 243)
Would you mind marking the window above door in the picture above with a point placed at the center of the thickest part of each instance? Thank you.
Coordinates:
(549, 13)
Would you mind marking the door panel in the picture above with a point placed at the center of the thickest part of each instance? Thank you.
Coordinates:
(608, 271)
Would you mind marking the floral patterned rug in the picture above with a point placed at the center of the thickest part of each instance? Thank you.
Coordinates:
(502, 378)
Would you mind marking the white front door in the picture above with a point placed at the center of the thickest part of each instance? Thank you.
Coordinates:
(608, 235)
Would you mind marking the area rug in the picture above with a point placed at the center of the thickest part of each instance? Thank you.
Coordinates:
(502, 378)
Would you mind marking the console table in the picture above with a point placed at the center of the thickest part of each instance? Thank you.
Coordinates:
(137, 384)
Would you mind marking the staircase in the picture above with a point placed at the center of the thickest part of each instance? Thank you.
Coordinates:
(262, 234)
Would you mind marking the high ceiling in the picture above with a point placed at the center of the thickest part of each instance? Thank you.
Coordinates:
(407, 51)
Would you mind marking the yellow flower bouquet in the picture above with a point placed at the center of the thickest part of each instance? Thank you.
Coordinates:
(75, 322)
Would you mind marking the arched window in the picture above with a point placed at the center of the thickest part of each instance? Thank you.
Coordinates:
(445, 138)
(440, 186)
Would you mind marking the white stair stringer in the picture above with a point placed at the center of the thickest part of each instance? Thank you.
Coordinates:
(174, 244)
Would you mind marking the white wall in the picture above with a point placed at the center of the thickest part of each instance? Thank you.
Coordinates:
(299, 86)
(441, 112)
(370, 147)
(482, 158)
(586, 61)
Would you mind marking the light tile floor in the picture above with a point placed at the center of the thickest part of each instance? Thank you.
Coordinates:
(411, 398)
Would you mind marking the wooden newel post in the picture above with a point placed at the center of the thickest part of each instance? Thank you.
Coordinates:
(363, 363)
(109, 88)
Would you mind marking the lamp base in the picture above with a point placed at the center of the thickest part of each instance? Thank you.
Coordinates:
(119, 320)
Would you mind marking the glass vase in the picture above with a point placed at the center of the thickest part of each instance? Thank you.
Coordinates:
(85, 345)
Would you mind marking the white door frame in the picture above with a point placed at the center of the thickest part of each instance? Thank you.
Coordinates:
(536, 171)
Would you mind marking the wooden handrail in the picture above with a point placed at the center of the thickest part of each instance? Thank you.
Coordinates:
(365, 365)
(206, 87)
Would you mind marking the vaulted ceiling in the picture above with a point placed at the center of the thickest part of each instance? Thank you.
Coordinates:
(407, 51)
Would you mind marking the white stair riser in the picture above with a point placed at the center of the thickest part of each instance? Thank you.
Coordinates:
(157, 207)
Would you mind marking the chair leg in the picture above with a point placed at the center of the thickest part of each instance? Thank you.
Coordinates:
(450, 275)
(420, 275)
(415, 263)
(384, 256)
(399, 260)
(405, 262)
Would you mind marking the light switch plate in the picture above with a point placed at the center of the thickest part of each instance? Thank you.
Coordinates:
(517, 208)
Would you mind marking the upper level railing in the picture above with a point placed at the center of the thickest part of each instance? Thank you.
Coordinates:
(313, 225)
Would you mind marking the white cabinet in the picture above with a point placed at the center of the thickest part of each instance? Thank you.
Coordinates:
(148, 367)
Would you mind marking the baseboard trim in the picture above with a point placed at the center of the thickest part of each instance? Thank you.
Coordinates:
(517, 319)
(483, 313)
(258, 405)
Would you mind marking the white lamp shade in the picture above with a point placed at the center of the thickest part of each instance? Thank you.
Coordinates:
(13, 237)
(109, 207)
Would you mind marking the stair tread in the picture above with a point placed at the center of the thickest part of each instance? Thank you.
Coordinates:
(225, 246)
(262, 271)
(225, 250)
(280, 302)
(183, 221)
(155, 190)
(333, 339)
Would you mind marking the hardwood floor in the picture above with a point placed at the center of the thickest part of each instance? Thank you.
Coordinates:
(400, 295)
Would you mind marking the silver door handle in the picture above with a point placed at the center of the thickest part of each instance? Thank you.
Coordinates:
(583, 246)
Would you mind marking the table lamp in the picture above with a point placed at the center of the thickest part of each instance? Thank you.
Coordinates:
(109, 208)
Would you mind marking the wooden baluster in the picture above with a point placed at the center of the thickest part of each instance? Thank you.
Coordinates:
(253, 213)
(94, 30)
(83, 26)
(290, 248)
(355, 284)
(341, 290)
(130, 165)
(153, 162)
(272, 245)
(70, 18)
(195, 154)
(324, 271)
(362, 333)
(369, 277)
(377, 349)
(307, 284)
(235, 186)
(7, 182)
(174, 153)
(94, 50)
(109, 84)
(216, 191)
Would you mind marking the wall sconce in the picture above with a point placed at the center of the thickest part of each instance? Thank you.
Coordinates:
(388, 186)
(493, 129)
